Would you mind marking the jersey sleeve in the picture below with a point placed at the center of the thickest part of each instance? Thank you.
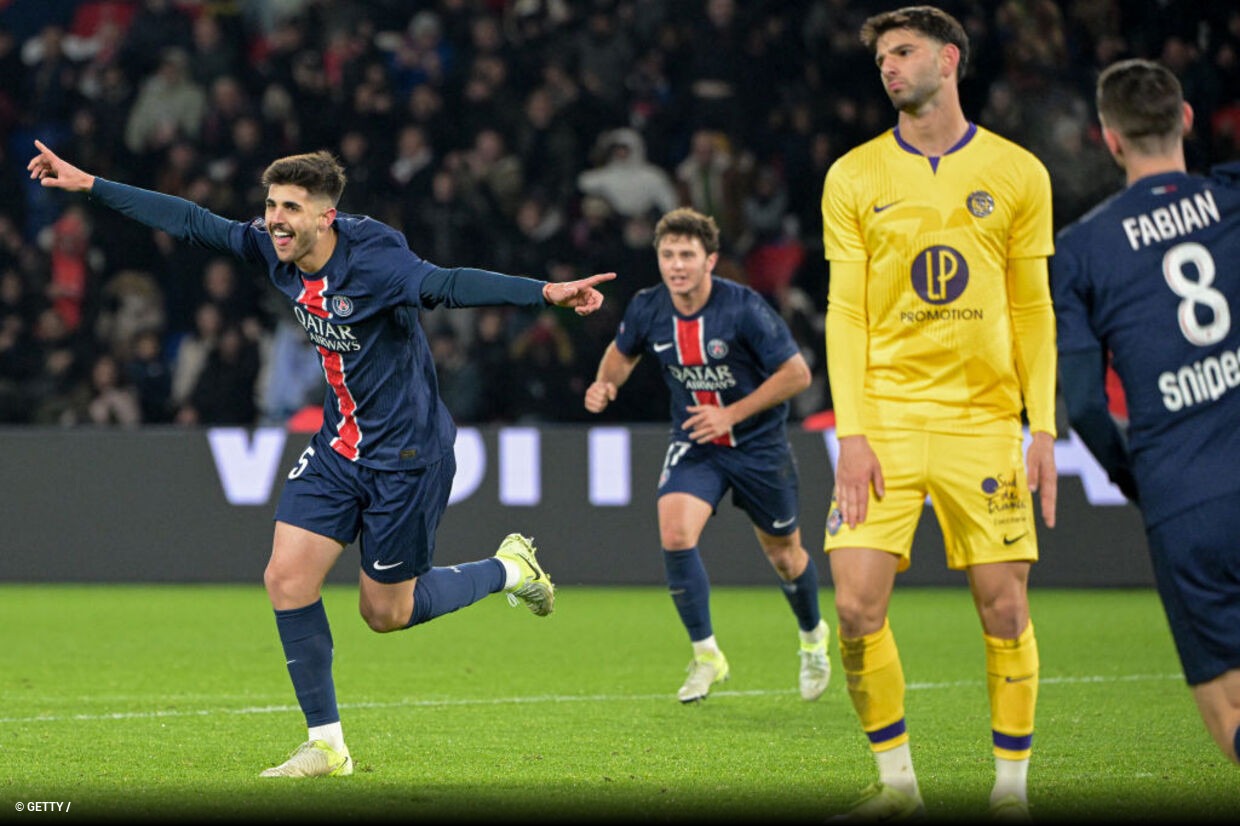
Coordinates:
(767, 334)
(469, 287)
(841, 230)
(631, 335)
(1070, 294)
(1032, 234)
(180, 218)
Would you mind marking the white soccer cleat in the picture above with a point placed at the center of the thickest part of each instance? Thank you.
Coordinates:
(705, 670)
(815, 667)
(313, 759)
(533, 587)
(879, 802)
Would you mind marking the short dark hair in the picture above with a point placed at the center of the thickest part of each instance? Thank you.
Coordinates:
(319, 173)
(1143, 102)
(686, 222)
(926, 20)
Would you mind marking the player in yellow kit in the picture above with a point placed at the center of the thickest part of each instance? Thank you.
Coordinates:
(940, 332)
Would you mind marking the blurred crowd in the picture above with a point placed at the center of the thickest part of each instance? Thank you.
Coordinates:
(539, 137)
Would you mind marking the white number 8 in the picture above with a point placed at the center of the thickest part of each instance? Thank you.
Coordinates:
(1196, 292)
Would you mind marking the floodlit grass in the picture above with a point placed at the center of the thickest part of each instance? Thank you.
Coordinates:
(164, 702)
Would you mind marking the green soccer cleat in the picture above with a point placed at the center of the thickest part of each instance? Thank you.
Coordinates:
(1010, 809)
(704, 671)
(815, 669)
(534, 587)
(313, 759)
(881, 802)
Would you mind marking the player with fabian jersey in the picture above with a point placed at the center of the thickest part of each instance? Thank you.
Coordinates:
(381, 467)
(731, 366)
(940, 331)
(1148, 280)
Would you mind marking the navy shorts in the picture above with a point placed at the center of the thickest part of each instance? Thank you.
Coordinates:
(763, 480)
(1196, 556)
(393, 514)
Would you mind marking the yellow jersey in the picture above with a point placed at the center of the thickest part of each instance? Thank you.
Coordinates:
(925, 247)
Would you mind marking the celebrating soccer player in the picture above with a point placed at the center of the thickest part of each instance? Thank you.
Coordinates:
(940, 331)
(380, 469)
(731, 365)
(1147, 281)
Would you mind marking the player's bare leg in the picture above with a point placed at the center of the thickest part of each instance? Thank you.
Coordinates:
(1219, 702)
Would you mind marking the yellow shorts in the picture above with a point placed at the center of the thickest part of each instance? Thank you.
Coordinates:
(976, 483)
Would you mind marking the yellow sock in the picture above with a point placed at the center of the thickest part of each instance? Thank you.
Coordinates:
(876, 686)
(1012, 680)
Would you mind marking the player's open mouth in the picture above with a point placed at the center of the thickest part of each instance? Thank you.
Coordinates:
(282, 238)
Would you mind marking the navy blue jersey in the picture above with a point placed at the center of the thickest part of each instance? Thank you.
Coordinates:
(1152, 276)
(720, 354)
(382, 407)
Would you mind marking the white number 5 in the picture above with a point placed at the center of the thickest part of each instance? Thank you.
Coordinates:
(303, 461)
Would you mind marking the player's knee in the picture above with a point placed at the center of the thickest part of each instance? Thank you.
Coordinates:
(285, 589)
(788, 559)
(858, 616)
(675, 539)
(383, 619)
(1004, 616)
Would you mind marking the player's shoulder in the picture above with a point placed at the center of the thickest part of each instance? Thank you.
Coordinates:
(1011, 151)
(862, 156)
(362, 230)
(1078, 235)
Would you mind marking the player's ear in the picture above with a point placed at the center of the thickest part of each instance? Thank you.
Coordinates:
(950, 56)
(325, 220)
(1187, 116)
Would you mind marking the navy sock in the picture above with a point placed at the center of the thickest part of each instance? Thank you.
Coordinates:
(441, 591)
(307, 641)
(802, 594)
(690, 590)
(1237, 742)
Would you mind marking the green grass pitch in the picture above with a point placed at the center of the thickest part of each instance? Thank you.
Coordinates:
(164, 703)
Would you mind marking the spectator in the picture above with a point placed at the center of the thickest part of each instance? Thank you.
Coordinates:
(147, 372)
(169, 105)
(193, 351)
(111, 401)
(225, 391)
(629, 183)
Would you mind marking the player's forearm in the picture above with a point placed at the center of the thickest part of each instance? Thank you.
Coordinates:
(1033, 327)
(792, 377)
(615, 367)
(470, 287)
(176, 216)
(1084, 393)
(847, 344)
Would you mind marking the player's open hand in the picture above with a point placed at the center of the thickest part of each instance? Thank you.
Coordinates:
(51, 171)
(580, 294)
(856, 470)
(599, 395)
(708, 422)
(1043, 478)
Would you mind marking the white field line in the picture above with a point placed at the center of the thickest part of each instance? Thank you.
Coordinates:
(547, 698)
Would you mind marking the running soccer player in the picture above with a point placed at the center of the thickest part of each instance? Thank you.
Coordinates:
(1148, 279)
(731, 365)
(380, 469)
(940, 331)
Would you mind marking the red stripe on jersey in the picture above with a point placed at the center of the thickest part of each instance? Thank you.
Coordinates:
(312, 297)
(713, 399)
(349, 434)
(690, 342)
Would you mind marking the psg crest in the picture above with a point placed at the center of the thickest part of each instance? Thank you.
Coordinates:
(342, 306)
